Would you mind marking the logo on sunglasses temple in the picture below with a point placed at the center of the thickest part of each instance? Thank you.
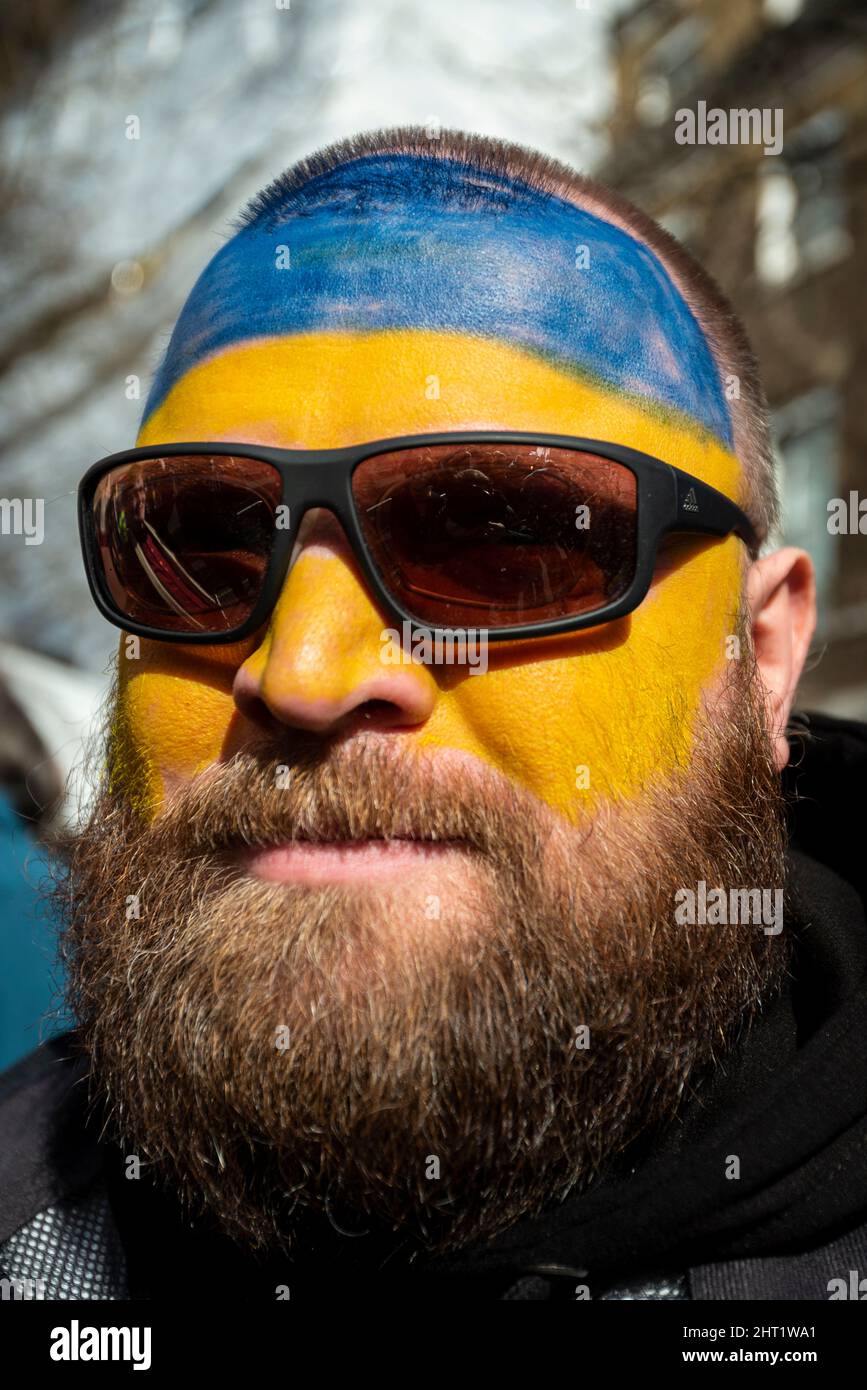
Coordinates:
(419, 646)
(690, 501)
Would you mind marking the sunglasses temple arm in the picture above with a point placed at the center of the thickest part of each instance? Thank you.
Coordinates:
(704, 510)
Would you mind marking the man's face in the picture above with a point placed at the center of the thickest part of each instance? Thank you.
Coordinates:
(396, 316)
(431, 996)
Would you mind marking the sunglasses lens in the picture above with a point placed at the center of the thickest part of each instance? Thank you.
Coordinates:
(184, 542)
(498, 535)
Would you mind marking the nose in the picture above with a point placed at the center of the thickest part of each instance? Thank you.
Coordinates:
(321, 666)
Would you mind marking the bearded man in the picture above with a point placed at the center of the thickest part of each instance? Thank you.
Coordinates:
(531, 966)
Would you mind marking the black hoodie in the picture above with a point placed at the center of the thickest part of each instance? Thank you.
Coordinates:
(790, 1102)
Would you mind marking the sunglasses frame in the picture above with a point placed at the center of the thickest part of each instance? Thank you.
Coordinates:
(663, 506)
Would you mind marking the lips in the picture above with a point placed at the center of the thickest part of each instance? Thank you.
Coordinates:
(313, 861)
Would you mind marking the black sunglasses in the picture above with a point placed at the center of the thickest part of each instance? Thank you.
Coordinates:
(519, 535)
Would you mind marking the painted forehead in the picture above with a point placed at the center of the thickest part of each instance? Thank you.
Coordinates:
(405, 241)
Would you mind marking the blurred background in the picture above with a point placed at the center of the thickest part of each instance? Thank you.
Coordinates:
(131, 132)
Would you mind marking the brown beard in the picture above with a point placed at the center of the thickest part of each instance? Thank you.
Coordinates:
(428, 1080)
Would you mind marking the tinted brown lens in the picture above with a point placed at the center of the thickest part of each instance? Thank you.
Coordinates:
(185, 541)
(494, 535)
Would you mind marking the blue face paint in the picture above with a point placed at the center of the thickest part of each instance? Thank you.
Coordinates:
(404, 241)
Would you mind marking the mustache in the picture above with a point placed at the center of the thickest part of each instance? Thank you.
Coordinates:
(361, 789)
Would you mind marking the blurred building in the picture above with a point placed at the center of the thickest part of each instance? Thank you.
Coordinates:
(783, 234)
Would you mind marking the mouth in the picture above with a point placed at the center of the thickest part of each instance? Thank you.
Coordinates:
(371, 859)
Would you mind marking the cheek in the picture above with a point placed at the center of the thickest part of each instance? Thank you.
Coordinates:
(167, 728)
(603, 724)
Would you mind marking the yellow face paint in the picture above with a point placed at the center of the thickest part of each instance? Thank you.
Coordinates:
(619, 700)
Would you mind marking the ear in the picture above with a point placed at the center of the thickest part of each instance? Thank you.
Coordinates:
(781, 593)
